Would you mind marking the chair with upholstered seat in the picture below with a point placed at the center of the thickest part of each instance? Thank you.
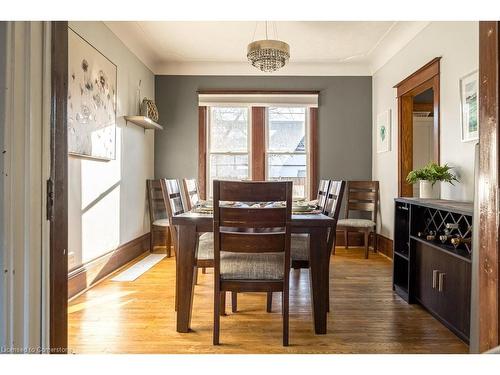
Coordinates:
(205, 242)
(362, 196)
(251, 245)
(300, 242)
(158, 215)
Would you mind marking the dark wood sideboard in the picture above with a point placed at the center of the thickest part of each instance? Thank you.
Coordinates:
(428, 268)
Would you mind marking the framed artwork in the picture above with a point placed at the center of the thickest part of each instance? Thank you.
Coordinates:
(469, 87)
(384, 131)
(91, 101)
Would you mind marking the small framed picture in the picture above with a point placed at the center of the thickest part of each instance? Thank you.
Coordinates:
(384, 131)
(469, 88)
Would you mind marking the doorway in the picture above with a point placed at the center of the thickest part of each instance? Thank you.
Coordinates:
(418, 115)
(423, 132)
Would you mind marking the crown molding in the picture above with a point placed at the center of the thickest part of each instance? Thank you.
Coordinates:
(399, 36)
(245, 69)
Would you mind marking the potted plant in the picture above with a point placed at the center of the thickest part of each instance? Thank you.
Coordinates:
(428, 176)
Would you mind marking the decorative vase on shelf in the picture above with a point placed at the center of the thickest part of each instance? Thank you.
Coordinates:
(427, 190)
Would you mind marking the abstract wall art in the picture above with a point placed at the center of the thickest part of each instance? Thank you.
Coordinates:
(91, 101)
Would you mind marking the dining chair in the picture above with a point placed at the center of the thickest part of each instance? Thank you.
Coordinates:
(300, 242)
(251, 245)
(192, 195)
(191, 192)
(362, 196)
(205, 242)
(322, 192)
(158, 215)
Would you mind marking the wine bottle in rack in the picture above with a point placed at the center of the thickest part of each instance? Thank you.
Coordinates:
(451, 226)
(456, 241)
(431, 236)
(444, 238)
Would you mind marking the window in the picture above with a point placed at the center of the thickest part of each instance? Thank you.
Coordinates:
(286, 147)
(228, 144)
(259, 135)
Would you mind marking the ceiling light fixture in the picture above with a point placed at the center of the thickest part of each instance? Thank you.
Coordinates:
(268, 55)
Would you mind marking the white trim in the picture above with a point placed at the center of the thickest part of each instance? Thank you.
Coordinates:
(259, 100)
(243, 68)
(23, 181)
(400, 35)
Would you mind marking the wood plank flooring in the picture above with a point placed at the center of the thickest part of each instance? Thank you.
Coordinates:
(366, 316)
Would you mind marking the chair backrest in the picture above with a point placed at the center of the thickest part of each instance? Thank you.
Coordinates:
(362, 196)
(173, 202)
(322, 192)
(252, 230)
(191, 192)
(156, 203)
(334, 199)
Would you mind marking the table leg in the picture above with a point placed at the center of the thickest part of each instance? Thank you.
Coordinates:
(185, 275)
(319, 262)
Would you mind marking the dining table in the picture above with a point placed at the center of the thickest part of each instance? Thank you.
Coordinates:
(191, 224)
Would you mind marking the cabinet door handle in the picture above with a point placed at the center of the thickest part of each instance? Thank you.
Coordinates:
(434, 278)
(441, 281)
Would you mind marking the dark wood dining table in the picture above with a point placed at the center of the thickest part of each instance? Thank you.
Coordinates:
(189, 224)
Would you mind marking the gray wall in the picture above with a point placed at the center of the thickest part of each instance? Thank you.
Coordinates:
(345, 121)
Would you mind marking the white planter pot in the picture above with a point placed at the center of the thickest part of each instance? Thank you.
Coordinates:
(427, 191)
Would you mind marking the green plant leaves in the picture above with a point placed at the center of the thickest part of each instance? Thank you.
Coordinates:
(432, 172)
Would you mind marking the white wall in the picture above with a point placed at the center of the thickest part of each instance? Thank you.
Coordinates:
(458, 45)
(107, 199)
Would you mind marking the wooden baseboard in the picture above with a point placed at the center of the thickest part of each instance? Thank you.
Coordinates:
(384, 244)
(90, 273)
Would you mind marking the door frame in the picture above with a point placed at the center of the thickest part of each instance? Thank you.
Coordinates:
(427, 77)
(57, 194)
(488, 185)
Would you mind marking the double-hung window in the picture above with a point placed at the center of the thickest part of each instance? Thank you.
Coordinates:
(228, 144)
(258, 135)
(287, 147)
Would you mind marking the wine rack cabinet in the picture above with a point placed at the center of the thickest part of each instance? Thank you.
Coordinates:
(432, 258)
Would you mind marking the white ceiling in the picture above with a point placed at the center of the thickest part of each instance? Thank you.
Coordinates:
(316, 48)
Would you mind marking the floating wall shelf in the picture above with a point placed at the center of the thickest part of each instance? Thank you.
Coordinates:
(143, 122)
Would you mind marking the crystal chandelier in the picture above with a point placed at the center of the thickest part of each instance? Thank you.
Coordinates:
(268, 55)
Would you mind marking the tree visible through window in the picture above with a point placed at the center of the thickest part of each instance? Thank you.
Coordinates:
(228, 155)
(286, 147)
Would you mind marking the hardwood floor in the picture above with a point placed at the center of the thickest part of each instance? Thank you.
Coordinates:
(366, 316)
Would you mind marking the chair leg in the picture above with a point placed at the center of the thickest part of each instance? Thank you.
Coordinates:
(222, 303)
(269, 307)
(168, 242)
(367, 243)
(346, 239)
(217, 298)
(203, 270)
(375, 244)
(234, 302)
(285, 316)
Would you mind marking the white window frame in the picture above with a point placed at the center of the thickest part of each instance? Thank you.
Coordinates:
(234, 153)
(306, 143)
